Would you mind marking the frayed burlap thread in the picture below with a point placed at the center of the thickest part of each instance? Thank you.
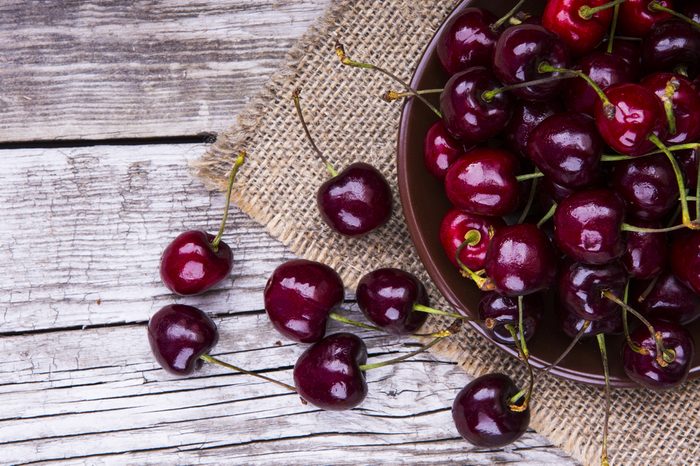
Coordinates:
(351, 123)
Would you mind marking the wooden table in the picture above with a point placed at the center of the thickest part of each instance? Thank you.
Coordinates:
(104, 103)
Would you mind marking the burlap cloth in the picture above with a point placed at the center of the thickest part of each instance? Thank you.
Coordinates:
(277, 187)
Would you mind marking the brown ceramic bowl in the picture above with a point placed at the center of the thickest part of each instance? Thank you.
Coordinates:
(424, 204)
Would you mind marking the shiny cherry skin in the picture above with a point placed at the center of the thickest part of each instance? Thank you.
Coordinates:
(688, 160)
(566, 147)
(638, 113)
(628, 50)
(298, 297)
(605, 70)
(686, 106)
(386, 297)
(645, 370)
(648, 186)
(581, 35)
(496, 311)
(526, 116)
(520, 260)
(637, 19)
(646, 254)
(685, 259)
(483, 182)
(672, 45)
(467, 41)
(671, 300)
(518, 54)
(581, 286)
(190, 265)
(356, 201)
(440, 150)
(570, 323)
(179, 335)
(328, 374)
(455, 224)
(482, 414)
(587, 226)
(467, 115)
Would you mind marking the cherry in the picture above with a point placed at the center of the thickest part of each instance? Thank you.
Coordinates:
(573, 325)
(682, 104)
(630, 51)
(483, 182)
(440, 150)
(685, 259)
(467, 114)
(645, 368)
(195, 261)
(689, 159)
(355, 201)
(692, 11)
(637, 19)
(518, 54)
(453, 232)
(328, 373)
(483, 412)
(553, 193)
(299, 296)
(497, 311)
(587, 226)
(668, 299)
(526, 116)
(581, 24)
(467, 40)
(566, 147)
(672, 45)
(581, 286)
(520, 260)
(646, 254)
(387, 298)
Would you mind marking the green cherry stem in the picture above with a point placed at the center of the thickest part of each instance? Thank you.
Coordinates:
(657, 6)
(628, 227)
(613, 28)
(495, 26)
(697, 194)
(487, 96)
(297, 105)
(438, 312)
(529, 176)
(548, 215)
(218, 362)
(521, 328)
(347, 61)
(345, 320)
(232, 176)
(530, 200)
(608, 107)
(571, 346)
(619, 158)
(391, 96)
(625, 325)
(606, 374)
(586, 12)
(526, 393)
(472, 238)
(672, 87)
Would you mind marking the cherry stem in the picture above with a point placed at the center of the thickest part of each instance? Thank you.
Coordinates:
(697, 193)
(487, 96)
(218, 362)
(548, 215)
(608, 107)
(647, 290)
(606, 374)
(484, 284)
(232, 176)
(571, 346)
(391, 96)
(628, 227)
(663, 356)
(526, 394)
(671, 87)
(618, 158)
(586, 12)
(529, 176)
(657, 6)
(495, 26)
(530, 200)
(342, 319)
(625, 325)
(613, 28)
(682, 70)
(345, 60)
(297, 105)
(430, 310)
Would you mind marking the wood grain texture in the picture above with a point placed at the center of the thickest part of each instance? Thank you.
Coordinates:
(80, 241)
(85, 69)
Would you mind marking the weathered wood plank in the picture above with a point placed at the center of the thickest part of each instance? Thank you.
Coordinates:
(79, 69)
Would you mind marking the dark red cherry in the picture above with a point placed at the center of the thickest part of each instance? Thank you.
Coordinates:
(467, 114)
(467, 40)
(648, 186)
(520, 260)
(566, 147)
(179, 335)
(387, 296)
(483, 182)
(581, 286)
(571, 324)
(579, 32)
(453, 229)
(553, 192)
(587, 226)
(520, 50)
(526, 116)
(637, 114)
(440, 150)
(685, 259)
(672, 45)
(646, 370)
(646, 254)
(497, 311)
(299, 295)
(605, 70)
(190, 265)
(628, 50)
(671, 300)
(356, 201)
(688, 160)
(482, 413)
(328, 374)
(685, 102)
(636, 18)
